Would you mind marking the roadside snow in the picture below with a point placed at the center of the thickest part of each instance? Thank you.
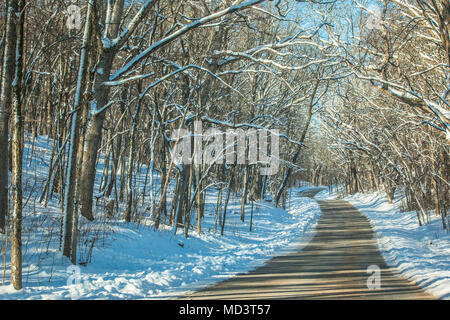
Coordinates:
(134, 261)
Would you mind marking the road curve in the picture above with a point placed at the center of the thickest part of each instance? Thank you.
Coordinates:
(332, 266)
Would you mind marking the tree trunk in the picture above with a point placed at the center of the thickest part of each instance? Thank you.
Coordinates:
(131, 153)
(5, 107)
(93, 136)
(227, 199)
(70, 212)
(200, 202)
(17, 152)
(179, 210)
(244, 193)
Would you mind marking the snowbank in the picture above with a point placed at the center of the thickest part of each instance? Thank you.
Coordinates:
(156, 264)
(421, 254)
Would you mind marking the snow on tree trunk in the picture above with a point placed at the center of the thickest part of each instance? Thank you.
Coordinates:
(17, 154)
(5, 107)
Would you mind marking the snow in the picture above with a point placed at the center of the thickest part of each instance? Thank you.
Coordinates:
(133, 261)
(420, 254)
(136, 262)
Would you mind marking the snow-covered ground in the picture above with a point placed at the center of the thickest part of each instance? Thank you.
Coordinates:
(421, 254)
(134, 261)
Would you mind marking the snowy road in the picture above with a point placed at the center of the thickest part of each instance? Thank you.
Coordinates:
(334, 265)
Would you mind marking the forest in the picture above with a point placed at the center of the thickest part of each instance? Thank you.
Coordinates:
(349, 94)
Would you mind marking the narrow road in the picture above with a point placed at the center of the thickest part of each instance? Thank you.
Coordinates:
(332, 266)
